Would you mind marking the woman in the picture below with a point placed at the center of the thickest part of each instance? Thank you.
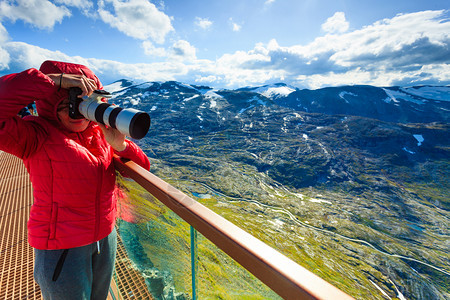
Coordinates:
(70, 162)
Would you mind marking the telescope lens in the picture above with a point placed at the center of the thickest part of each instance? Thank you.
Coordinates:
(140, 124)
(132, 122)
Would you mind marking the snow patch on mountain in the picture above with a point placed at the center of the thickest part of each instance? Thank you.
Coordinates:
(392, 96)
(185, 85)
(441, 93)
(244, 109)
(211, 94)
(135, 101)
(407, 150)
(190, 98)
(419, 139)
(145, 85)
(147, 94)
(115, 87)
(418, 95)
(257, 100)
(343, 94)
(275, 91)
(118, 93)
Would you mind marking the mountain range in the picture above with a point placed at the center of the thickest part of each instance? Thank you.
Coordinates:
(351, 182)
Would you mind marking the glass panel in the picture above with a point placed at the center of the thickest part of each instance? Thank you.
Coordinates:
(221, 277)
(159, 244)
(160, 250)
(156, 240)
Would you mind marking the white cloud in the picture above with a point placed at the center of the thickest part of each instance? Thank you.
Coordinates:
(180, 50)
(184, 51)
(25, 56)
(40, 13)
(268, 2)
(151, 50)
(139, 19)
(388, 52)
(235, 26)
(4, 36)
(206, 79)
(405, 50)
(203, 23)
(4, 55)
(403, 41)
(82, 4)
(336, 24)
(146, 72)
(4, 59)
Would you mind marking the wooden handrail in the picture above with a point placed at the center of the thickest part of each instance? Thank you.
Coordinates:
(281, 274)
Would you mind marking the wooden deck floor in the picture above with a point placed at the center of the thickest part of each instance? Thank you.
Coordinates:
(16, 256)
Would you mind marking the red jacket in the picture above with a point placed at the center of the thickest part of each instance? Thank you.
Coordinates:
(72, 174)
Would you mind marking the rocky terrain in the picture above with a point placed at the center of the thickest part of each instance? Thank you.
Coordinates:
(350, 182)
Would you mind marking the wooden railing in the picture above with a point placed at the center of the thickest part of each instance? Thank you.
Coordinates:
(281, 274)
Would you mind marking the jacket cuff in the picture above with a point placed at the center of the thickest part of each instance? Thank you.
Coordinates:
(126, 152)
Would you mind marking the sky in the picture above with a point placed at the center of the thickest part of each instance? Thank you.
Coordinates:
(234, 43)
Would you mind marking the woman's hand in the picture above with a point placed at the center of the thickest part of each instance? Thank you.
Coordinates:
(114, 137)
(67, 81)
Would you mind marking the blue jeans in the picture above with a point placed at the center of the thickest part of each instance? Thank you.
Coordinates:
(84, 273)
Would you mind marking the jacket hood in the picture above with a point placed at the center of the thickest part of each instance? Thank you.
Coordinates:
(47, 108)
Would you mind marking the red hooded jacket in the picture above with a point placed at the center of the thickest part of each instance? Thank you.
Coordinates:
(72, 174)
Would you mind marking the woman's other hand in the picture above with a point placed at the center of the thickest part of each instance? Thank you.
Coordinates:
(114, 137)
(67, 81)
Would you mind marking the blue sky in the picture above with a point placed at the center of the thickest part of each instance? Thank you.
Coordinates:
(234, 43)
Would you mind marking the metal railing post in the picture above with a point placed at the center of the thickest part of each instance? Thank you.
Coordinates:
(194, 262)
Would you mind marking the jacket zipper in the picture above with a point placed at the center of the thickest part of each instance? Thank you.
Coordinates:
(97, 201)
(97, 195)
